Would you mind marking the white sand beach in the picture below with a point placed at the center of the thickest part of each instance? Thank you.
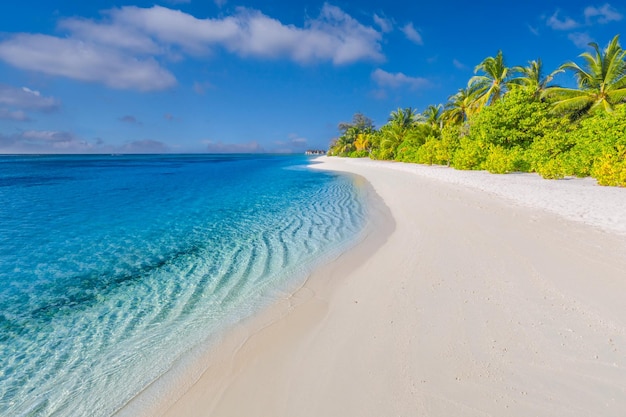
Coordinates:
(471, 295)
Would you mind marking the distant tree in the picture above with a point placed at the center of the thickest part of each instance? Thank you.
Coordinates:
(360, 121)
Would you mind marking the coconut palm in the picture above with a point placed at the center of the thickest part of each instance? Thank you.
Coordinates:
(362, 141)
(493, 83)
(400, 122)
(432, 116)
(460, 105)
(404, 118)
(532, 77)
(601, 84)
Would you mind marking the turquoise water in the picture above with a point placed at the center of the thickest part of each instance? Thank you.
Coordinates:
(114, 267)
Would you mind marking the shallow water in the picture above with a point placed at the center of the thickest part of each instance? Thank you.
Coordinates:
(112, 267)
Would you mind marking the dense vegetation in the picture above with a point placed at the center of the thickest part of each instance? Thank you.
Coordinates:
(512, 119)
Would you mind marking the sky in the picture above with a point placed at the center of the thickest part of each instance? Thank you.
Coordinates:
(256, 76)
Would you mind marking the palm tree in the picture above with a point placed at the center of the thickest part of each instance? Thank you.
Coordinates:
(532, 77)
(433, 116)
(601, 84)
(404, 118)
(493, 83)
(461, 105)
(362, 141)
(400, 122)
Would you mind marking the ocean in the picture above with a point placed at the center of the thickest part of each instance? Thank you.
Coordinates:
(114, 267)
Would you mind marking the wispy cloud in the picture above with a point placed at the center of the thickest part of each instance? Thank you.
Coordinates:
(602, 15)
(221, 147)
(15, 115)
(592, 16)
(294, 143)
(556, 23)
(130, 120)
(385, 24)
(412, 34)
(44, 141)
(15, 103)
(84, 61)
(144, 146)
(26, 99)
(458, 64)
(201, 88)
(396, 80)
(52, 141)
(533, 30)
(580, 39)
(129, 47)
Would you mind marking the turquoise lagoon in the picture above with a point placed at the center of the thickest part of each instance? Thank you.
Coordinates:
(113, 268)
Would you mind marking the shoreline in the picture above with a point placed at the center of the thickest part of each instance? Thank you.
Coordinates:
(470, 305)
(215, 358)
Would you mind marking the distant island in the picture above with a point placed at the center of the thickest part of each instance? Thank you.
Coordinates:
(315, 152)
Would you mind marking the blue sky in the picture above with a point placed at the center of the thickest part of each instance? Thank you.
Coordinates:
(247, 76)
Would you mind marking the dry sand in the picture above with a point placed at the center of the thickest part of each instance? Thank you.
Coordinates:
(458, 303)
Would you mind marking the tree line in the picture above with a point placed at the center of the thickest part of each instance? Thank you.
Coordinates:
(513, 119)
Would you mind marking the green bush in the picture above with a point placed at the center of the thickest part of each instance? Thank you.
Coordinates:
(502, 161)
(515, 121)
(448, 144)
(470, 154)
(426, 154)
(359, 154)
(610, 169)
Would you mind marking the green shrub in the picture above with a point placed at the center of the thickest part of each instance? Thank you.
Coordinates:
(610, 169)
(448, 144)
(359, 154)
(501, 161)
(429, 152)
(470, 154)
(515, 121)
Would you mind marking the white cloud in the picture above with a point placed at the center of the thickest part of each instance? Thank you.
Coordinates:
(397, 80)
(144, 146)
(15, 103)
(385, 25)
(580, 39)
(40, 141)
(412, 34)
(16, 115)
(533, 30)
(220, 3)
(458, 64)
(220, 147)
(123, 37)
(333, 36)
(84, 61)
(294, 143)
(602, 15)
(557, 24)
(51, 141)
(122, 50)
(26, 99)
